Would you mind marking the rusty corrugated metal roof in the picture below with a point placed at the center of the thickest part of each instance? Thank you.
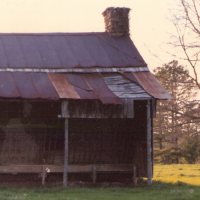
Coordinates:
(67, 51)
(55, 86)
(69, 65)
(80, 85)
(97, 84)
(151, 85)
(62, 86)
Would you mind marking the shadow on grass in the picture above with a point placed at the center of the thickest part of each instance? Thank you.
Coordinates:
(178, 185)
(158, 190)
(142, 184)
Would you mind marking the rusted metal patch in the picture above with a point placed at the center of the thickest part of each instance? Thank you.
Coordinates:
(81, 87)
(44, 86)
(96, 82)
(151, 85)
(62, 86)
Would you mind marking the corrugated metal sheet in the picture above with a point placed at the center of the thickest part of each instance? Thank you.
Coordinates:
(62, 86)
(96, 82)
(151, 85)
(131, 77)
(8, 87)
(14, 55)
(123, 87)
(81, 87)
(30, 52)
(43, 85)
(25, 85)
(110, 88)
(67, 51)
(78, 70)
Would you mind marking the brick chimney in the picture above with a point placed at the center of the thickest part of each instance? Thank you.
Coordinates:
(117, 21)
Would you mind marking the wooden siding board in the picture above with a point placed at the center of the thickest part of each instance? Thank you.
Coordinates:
(95, 109)
(71, 168)
(65, 177)
(128, 108)
(65, 109)
(149, 145)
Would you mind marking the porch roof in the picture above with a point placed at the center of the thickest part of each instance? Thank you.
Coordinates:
(108, 87)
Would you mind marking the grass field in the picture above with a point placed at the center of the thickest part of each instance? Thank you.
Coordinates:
(170, 182)
(189, 174)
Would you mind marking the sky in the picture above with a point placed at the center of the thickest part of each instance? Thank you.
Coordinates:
(150, 26)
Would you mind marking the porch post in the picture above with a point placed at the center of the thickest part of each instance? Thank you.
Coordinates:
(66, 154)
(149, 149)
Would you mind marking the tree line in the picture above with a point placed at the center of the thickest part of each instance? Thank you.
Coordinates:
(177, 125)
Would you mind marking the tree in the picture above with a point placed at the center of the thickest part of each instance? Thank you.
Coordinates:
(174, 116)
(191, 147)
(187, 23)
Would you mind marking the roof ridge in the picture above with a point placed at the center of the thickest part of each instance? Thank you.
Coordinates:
(54, 33)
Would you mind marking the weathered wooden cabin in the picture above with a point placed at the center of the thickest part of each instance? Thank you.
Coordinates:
(77, 102)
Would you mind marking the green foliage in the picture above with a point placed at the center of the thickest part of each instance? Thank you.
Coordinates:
(191, 148)
(177, 119)
(167, 156)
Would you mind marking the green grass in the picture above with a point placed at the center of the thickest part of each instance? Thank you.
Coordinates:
(170, 182)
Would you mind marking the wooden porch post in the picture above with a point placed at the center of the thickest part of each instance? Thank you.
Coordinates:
(149, 149)
(66, 154)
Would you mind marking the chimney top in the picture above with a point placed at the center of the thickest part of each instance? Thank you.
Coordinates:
(117, 20)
